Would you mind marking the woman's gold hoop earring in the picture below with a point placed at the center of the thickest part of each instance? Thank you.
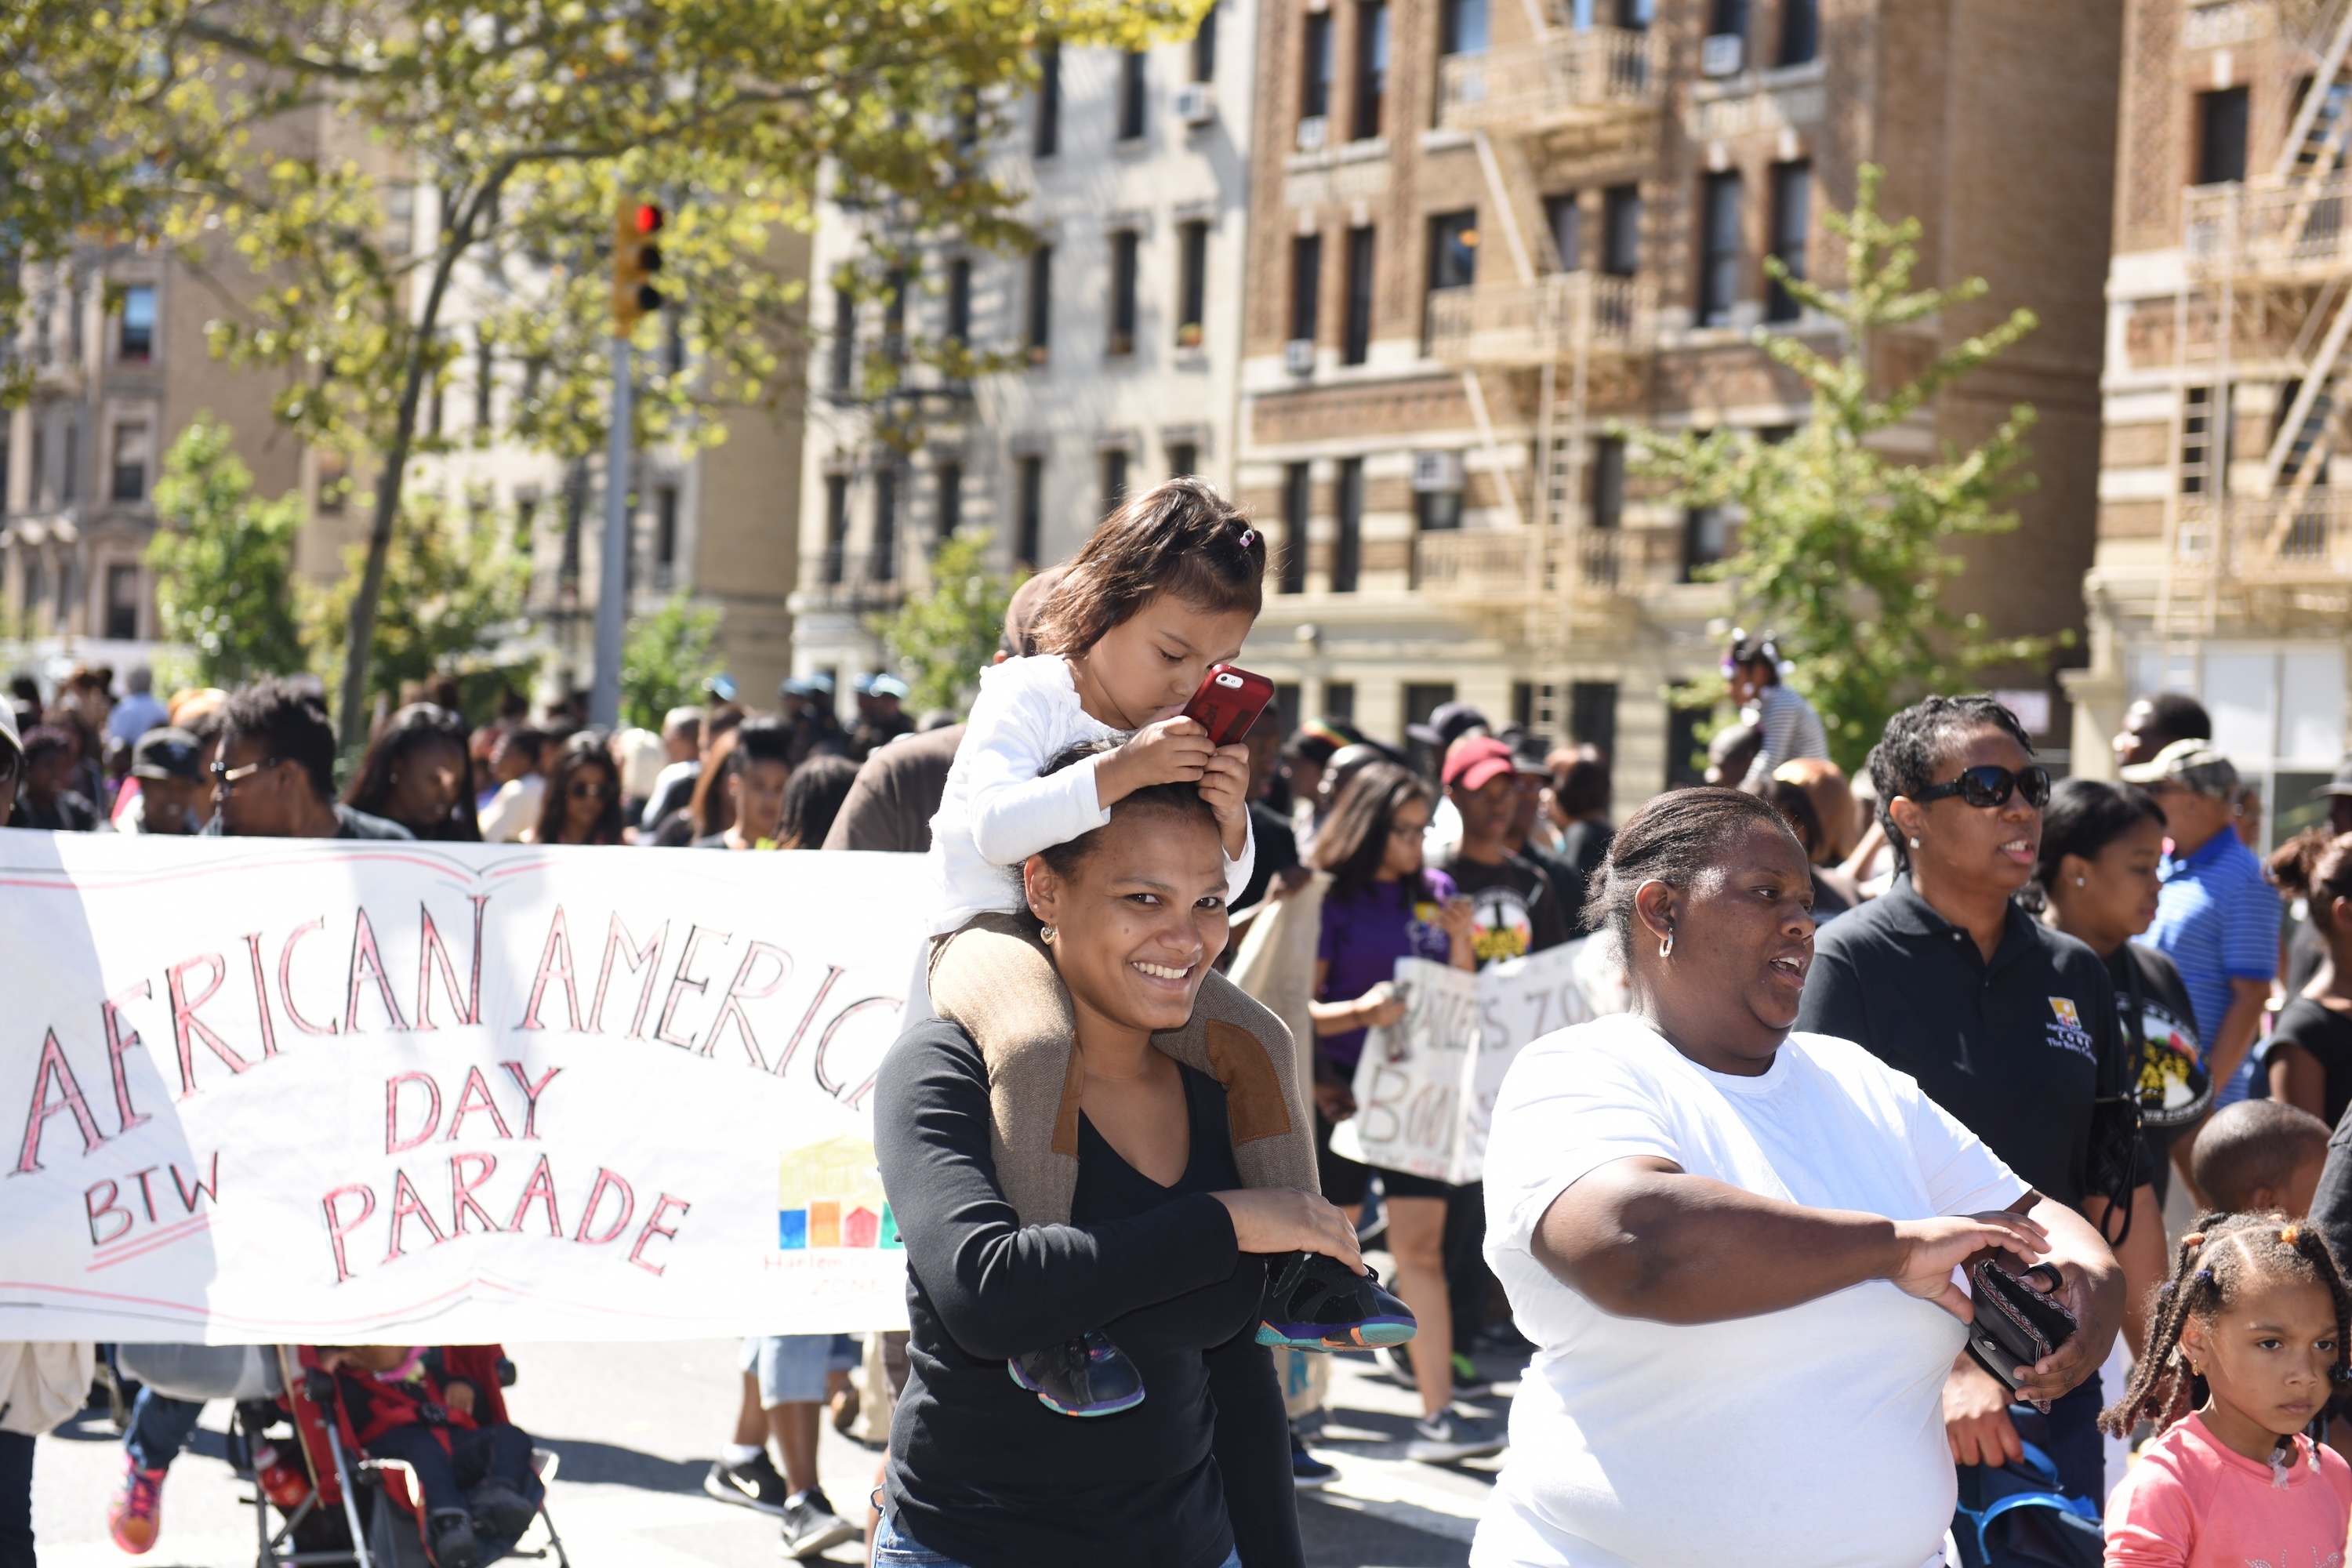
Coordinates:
(1046, 935)
(1666, 948)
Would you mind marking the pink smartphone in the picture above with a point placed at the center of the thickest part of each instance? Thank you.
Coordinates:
(1228, 702)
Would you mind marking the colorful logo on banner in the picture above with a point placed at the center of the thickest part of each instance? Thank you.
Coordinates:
(830, 1195)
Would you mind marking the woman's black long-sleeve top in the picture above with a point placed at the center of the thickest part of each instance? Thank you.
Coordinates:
(979, 1469)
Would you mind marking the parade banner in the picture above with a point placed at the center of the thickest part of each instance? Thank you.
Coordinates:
(1425, 1084)
(262, 1090)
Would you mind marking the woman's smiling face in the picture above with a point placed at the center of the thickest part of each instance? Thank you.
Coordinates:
(1141, 917)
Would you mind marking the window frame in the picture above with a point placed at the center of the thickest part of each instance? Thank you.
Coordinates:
(1721, 253)
(1792, 187)
(145, 352)
(1126, 276)
(1356, 325)
(1192, 282)
(1369, 98)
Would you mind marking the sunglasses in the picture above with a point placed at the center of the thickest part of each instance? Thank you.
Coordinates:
(592, 791)
(1986, 786)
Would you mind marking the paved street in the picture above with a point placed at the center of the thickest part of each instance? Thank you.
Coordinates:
(637, 1427)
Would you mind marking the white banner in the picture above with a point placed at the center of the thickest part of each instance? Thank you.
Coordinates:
(263, 1091)
(1425, 1084)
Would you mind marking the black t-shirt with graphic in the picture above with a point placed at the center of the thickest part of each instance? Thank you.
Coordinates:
(1517, 909)
(2326, 1033)
(2175, 1091)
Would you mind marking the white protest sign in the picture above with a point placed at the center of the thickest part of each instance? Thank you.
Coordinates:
(1425, 1085)
(260, 1091)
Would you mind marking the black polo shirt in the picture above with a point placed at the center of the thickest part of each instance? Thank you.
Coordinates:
(2016, 1048)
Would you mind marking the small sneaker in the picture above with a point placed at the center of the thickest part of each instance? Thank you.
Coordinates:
(755, 1483)
(1086, 1376)
(810, 1525)
(454, 1545)
(500, 1511)
(1445, 1436)
(1469, 1383)
(1315, 1303)
(136, 1514)
(1308, 1471)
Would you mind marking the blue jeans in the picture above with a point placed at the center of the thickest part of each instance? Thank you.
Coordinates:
(160, 1428)
(894, 1550)
(475, 1455)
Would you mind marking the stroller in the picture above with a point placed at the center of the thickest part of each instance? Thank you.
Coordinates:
(351, 1510)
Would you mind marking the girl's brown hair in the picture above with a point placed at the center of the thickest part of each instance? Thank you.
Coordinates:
(2219, 1256)
(1179, 537)
(1354, 839)
(2316, 866)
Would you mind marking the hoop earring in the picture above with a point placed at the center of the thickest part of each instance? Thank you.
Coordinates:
(1666, 948)
(1046, 934)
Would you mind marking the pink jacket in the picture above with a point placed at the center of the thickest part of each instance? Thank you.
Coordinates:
(2193, 1503)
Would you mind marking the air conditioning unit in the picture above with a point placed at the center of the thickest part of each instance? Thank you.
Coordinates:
(1312, 132)
(1436, 471)
(1722, 55)
(1195, 103)
(1298, 356)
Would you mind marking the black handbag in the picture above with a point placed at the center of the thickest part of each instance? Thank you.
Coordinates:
(2015, 1325)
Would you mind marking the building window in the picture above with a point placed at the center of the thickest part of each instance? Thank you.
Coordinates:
(1422, 701)
(1316, 101)
(1564, 217)
(1348, 548)
(71, 486)
(1124, 247)
(1297, 497)
(1205, 47)
(334, 474)
(1620, 230)
(1438, 511)
(1608, 482)
(1305, 285)
(894, 316)
(1718, 275)
(1452, 252)
(3, 471)
(946, 500)
(2197, 433)
(1030, 521)
(1114, 480)
(485, 378)
(1192, 282)
(959, 322)
(1792, 202)
(130, 457)
(1287, 706)
(1686, 758)
(836, 527)
(1371, 69)
(664, 535)
(1184, 458)
(1801, 31)
(122, 603)
(844, 335)
(1340, 700)
(1131, 95)
(1462, 27)
(1727, 16)
(1355, 342)
(1705, 540)
(884, 563)
(137, 343)
(1040, 302)
(1046, 139)
(2222, 136)
(1592, 715)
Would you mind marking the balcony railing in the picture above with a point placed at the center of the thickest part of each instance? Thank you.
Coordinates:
(1513, 324)
(2295, 230)
(2284, 540)
(1502, 568)
(1560, 78)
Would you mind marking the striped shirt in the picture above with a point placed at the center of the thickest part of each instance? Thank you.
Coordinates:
(1790, 729)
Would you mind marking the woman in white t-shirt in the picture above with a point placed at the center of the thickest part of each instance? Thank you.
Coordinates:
(1733, 1246)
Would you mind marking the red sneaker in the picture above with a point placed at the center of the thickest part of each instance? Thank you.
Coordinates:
(136, 1514)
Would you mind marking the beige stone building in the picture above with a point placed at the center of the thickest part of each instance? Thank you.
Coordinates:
(2225, 554)
(1483, 234)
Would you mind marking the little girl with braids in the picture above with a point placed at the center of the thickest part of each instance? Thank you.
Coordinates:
(2250, 1331)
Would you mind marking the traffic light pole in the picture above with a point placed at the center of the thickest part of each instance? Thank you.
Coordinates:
(613, 578)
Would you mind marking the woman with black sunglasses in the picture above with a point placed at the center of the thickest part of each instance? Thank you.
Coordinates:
(582, 805)
(2006, 1022)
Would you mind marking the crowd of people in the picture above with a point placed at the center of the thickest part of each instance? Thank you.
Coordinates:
(1848, 1036)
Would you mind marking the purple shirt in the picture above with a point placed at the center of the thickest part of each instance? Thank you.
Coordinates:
(1362, 938)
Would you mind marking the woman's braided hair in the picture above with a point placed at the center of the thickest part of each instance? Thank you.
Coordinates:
(1676, 839)
(2219, 1256)
(1915, 744)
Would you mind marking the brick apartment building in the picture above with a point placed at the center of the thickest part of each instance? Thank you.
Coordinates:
(2224, 552)
(1482, 233)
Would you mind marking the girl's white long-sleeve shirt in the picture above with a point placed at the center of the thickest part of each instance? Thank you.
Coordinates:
(998, 810)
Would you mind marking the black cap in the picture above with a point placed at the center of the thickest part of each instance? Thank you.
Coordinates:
(167, 753)
(1448, 724)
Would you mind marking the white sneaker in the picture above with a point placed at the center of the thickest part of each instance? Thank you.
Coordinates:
(810, 1525)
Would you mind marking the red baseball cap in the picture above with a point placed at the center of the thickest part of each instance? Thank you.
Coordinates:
(1474, 759)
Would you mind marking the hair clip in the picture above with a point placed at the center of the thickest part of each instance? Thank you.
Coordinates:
(1249, 537)
(2194, 1238)
(2204, 1274)
(2289, 1234)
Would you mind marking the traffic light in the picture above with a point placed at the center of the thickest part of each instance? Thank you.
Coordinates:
(635, 259)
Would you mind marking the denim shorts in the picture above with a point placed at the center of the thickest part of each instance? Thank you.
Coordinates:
(791, 1367)
(894, 1550)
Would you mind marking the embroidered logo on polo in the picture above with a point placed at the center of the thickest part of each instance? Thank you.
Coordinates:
(2066, 1032)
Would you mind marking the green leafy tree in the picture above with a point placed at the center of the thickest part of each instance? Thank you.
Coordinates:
(453, 593)
(276, 133)
(1844, 550)
(665, 659)
(224, 562)
(942, 639)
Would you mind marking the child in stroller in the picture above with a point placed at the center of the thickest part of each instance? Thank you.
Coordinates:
(477, 1491)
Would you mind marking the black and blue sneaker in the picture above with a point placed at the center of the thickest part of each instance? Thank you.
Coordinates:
(1086, 1376)
(1317, 1303)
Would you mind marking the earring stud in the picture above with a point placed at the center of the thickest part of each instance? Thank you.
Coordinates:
(2079, 882)
(1915, 843)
